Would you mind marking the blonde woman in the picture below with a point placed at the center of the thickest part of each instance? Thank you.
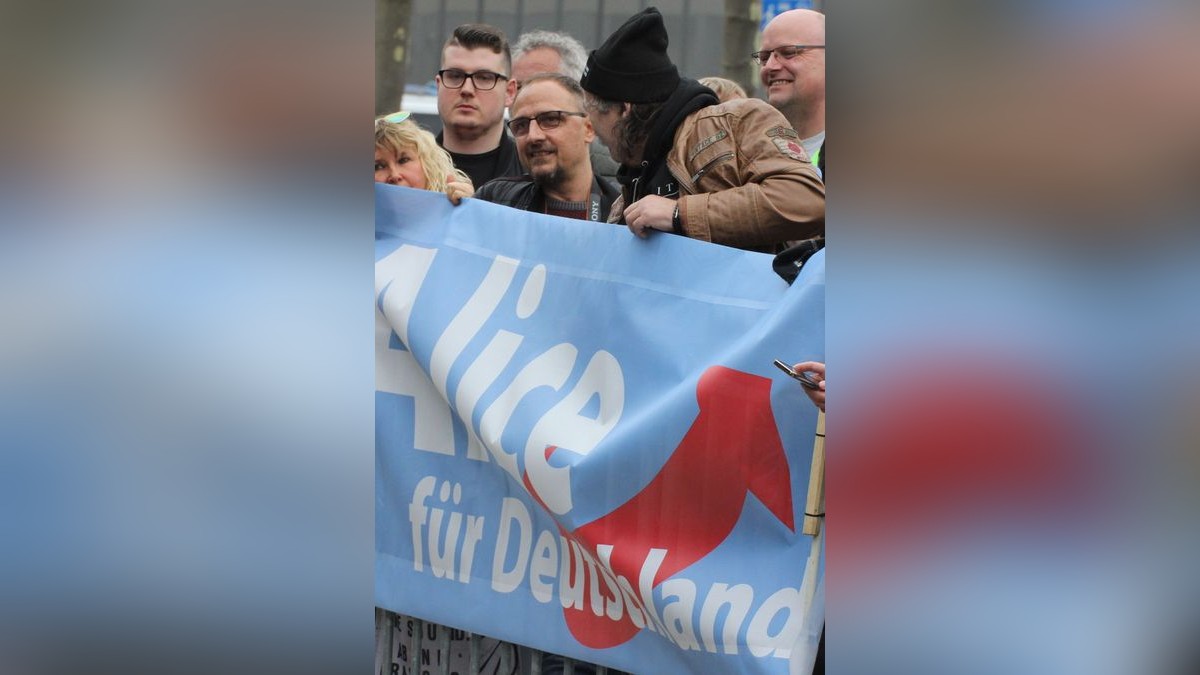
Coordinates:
(406, 154)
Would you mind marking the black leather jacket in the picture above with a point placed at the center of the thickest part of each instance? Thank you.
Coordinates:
(520, 192)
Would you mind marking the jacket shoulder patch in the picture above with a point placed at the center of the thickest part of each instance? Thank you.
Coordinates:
(783, 132)
(702, 145)
(791, 149)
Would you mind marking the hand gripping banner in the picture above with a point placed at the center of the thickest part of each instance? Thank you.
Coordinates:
(582, 444)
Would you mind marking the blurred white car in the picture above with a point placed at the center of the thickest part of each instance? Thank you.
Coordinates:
(424, 110)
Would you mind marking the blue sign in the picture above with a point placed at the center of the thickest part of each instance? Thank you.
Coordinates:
(582, 444)
(773, 8)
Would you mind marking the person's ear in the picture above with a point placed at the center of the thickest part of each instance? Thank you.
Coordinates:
(625, 108)
(589, 133)
(510, 92)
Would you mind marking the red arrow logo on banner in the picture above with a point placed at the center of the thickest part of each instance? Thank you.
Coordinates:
(694, 502)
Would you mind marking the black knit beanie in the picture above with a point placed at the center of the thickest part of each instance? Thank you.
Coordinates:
(632, 65)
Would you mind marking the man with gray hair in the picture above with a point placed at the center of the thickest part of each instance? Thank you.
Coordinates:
(544, 51)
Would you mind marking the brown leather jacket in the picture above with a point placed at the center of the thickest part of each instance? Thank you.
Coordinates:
(744, 181)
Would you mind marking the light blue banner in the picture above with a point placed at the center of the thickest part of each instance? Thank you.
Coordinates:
(582, 444)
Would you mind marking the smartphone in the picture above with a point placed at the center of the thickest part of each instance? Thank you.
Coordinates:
(802, 377)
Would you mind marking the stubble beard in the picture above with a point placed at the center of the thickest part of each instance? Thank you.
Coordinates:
(470, 131)
(474, 126)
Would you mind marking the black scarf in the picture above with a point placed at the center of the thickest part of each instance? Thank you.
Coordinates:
(652, 176)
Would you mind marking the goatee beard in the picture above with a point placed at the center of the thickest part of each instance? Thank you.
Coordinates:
(549, 179)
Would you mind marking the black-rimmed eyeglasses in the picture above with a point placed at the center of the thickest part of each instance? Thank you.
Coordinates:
(551, 119)
(783, 53)
(482, 79)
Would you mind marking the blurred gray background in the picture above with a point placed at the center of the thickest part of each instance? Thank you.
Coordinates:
(707, 37)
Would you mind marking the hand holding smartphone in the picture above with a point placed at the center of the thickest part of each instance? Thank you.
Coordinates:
(803, 378)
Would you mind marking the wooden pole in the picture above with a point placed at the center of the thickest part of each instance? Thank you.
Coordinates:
(814, 509)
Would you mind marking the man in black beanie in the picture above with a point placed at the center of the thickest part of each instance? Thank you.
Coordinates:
(732, 173)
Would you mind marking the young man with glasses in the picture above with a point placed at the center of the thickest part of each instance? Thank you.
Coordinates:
(733, 174)
(792, 68)
(474, 88)
(553, 136)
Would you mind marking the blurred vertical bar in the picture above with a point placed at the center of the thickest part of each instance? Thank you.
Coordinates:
(443, 647)
(385, 623)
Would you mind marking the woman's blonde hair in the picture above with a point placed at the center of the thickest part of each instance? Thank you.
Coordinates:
(435, 161)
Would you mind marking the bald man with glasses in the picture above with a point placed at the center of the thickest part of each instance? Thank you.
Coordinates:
(553, 136)
(792, 69)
